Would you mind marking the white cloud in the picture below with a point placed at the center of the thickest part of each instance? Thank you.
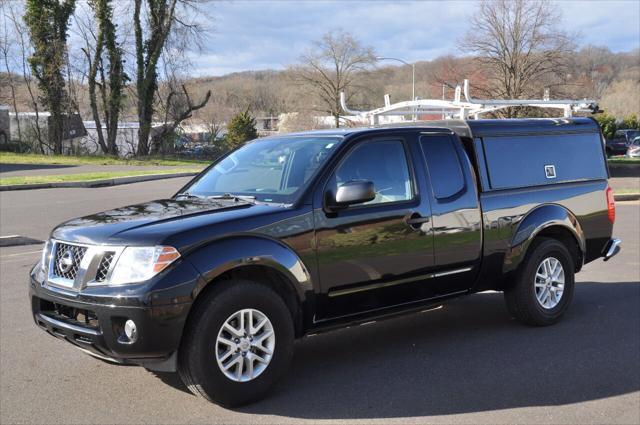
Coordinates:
(251, 35)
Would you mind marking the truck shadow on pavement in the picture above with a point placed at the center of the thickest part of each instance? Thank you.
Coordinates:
(468, 356)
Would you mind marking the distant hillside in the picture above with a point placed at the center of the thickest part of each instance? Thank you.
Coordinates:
(611, 78)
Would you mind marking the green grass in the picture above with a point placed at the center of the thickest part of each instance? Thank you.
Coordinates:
(624, 160)
(85, 177)
(28, 158)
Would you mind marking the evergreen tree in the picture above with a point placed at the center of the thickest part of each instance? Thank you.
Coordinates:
(241, 129)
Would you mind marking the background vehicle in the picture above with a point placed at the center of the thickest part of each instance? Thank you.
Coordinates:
(308, 232)
(633, 151)
(621, 141)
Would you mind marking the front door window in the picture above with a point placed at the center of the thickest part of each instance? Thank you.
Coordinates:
(382, 162)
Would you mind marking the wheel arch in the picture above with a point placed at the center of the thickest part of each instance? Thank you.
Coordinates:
(549, 220)
(258, 259)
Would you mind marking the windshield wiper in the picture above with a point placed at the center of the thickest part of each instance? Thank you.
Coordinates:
(232, 196)
(189, 195)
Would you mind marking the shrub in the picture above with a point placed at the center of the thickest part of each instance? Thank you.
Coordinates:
(608, 124)
(630, 122)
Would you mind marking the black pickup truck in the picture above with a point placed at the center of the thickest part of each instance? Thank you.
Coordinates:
(301, 233)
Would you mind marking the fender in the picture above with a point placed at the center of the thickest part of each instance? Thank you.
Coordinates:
(532, 224)
(226, 254)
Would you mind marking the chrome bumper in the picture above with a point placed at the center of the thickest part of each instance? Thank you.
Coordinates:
(612, 248)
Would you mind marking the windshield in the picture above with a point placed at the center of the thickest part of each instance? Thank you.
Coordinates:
(271, 170)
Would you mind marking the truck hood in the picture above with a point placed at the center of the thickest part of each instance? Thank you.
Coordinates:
(150, 222)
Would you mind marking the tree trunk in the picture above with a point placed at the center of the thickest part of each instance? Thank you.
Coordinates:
(56, 130)
(147, 55)
(145, 107)
(93, 99)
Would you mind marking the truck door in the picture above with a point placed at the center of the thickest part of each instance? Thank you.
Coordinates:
(375, 254)
(456, 214)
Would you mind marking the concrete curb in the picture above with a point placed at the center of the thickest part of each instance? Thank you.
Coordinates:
(627, 197)
(17, 240)
(96, 183)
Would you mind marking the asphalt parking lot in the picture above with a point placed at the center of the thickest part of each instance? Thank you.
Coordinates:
(464, 363)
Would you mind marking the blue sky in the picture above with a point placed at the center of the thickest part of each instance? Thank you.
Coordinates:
(262, 34)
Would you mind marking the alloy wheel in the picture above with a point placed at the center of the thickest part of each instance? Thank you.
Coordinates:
(245, 345)
(549, 282)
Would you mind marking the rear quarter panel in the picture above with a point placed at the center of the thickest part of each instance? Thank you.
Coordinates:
(513, 217)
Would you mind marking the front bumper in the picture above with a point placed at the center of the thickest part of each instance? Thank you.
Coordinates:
(95, 324)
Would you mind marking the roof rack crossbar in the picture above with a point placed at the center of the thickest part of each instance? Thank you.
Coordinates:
(457, 108)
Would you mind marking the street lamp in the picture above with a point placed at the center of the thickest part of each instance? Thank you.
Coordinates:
(413, 76)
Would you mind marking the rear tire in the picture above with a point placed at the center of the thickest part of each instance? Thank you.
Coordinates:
(539, 298)
(199, 359)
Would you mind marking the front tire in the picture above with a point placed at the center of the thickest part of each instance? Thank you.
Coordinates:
(544, 284)
(237, 345)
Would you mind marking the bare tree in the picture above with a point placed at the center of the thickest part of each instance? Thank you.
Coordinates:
(106, 75)
(520, 44)
(173, 98)
(23, 49)
(622, 98)
(334, 65)
(162, 20)
(6, 50)
(178, 107)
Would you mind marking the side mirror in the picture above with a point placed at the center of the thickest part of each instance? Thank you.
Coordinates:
(351, 193)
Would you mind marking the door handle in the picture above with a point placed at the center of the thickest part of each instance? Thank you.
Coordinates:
(415, 220)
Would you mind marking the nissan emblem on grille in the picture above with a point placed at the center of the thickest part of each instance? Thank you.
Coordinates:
(65, 262)
(67, 259)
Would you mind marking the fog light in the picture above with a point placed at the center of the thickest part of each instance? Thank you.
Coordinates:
(130, 330)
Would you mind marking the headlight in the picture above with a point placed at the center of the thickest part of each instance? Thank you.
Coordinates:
(137, 264)
(44, 260)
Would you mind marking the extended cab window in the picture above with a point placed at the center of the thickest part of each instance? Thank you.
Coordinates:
(443, 164)
(382, 162)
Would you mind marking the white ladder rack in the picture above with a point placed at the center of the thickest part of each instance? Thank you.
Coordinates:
(459, 109)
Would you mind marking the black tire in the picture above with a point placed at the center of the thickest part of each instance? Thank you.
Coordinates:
(197, 364)
(521, 299)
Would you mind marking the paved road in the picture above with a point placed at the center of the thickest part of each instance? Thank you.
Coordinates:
(464, 363)
(34, 213)
(628, 184)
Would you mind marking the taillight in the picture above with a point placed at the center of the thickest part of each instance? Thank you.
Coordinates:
(611, 205)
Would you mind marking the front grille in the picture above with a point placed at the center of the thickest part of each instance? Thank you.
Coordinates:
(105, 264)
(66, 260)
